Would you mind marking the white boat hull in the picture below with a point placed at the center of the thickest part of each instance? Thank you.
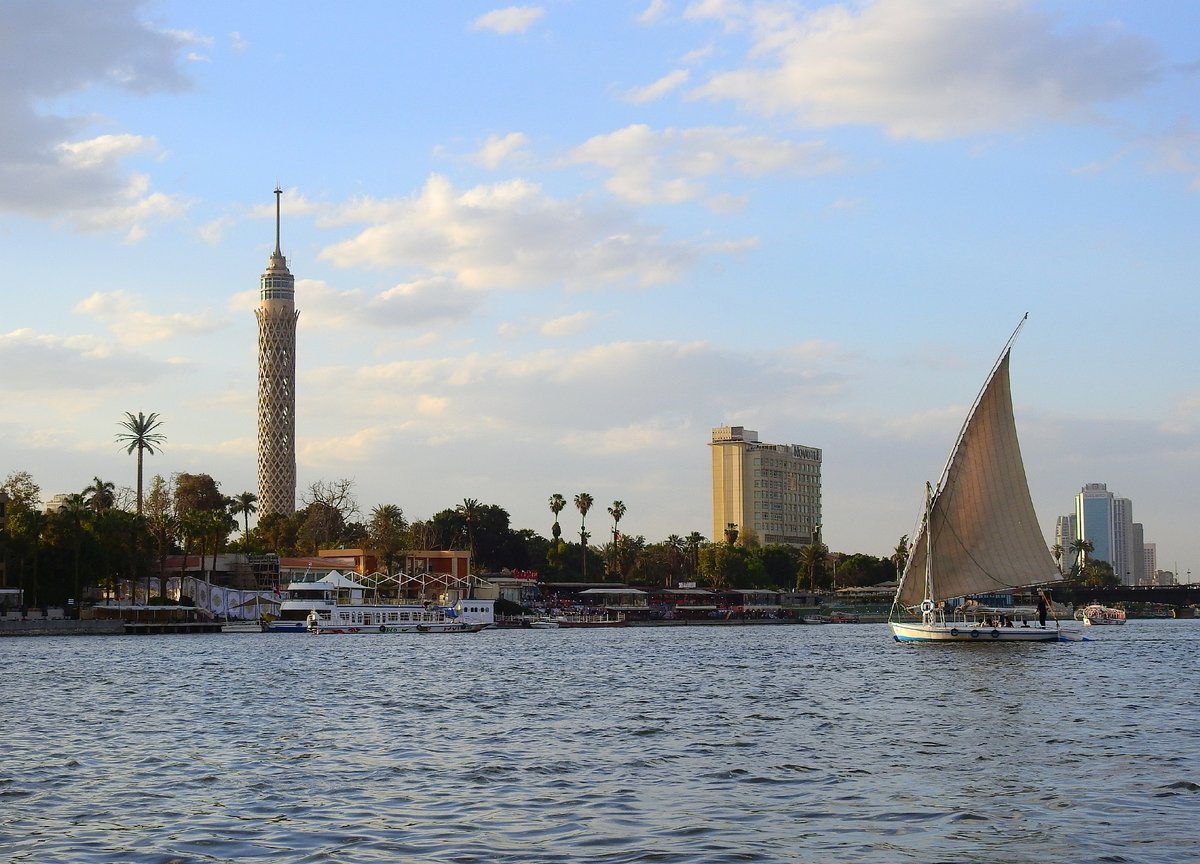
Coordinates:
(974, 633)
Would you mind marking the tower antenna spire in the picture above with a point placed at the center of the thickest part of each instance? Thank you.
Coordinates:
(278, 194)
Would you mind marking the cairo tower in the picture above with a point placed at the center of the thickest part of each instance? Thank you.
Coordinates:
(277, 316)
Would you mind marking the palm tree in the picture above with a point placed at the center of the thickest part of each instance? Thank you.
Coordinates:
(244, 503)
(900, 555)
(1082, 548)
(616, 511)
(694, 541)
(675, 547)
(217, 525)
(386, 532)
(811, 557)
(100, 494)
(139, 435)
(1056, 552)
(468, 510)
(583, 503)
(557, 504)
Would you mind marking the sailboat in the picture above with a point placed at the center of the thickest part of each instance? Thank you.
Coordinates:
(978, 534)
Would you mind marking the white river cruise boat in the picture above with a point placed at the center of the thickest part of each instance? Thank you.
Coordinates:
(336, 603)
(1096, 615)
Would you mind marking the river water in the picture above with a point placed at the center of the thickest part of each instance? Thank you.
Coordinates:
(696, 744)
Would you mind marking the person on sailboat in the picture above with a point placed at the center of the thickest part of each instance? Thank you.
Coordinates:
(1042, 608)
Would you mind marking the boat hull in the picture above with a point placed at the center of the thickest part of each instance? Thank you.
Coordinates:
(968, 633)
(452, 627)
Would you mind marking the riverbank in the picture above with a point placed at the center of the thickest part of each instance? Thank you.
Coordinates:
(60, 627)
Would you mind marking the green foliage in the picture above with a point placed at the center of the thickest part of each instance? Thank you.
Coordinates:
(197, 492)
(780, 565)
(1097, 574)
(862, 571)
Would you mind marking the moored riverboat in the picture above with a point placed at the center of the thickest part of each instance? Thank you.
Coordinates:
(337, 604)
(1096, 615)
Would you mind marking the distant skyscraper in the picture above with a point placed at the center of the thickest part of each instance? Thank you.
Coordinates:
(1137, 555)
(277, 316)
(1066, 533)
(774, 489)
(1107, 521)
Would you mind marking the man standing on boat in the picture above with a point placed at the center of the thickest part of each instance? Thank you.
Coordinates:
(1042, 607)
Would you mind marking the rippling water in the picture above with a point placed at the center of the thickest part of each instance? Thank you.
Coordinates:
(829, 744)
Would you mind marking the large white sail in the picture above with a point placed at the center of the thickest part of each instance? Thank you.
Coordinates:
(984, 534)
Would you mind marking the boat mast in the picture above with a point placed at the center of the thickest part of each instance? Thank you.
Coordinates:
(928, 543)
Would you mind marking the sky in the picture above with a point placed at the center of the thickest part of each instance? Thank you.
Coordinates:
(547, 248)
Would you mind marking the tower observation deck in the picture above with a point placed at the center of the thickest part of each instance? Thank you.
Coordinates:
(277, 316)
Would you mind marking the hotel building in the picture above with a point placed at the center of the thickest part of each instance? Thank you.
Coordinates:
(772, 489)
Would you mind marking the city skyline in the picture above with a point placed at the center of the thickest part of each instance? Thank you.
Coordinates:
(531, 263)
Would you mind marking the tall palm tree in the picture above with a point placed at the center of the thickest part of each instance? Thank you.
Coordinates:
(811, 557)
(244, 503)
(1082, 548)
(101, 494)
(557, 504)
(583, 503)
(140, 435)
(616, 511)
(1056, 552)
(217, 525)
(468, 510)
(675, 547)
(694, 541)
(386, 532)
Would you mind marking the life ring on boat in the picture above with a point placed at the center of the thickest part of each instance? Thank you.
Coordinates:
(953, 631)
(974, 634)
(926, 606)
(995, 634)
(382, 628)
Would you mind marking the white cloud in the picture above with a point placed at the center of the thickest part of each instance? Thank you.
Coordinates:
(511, 19)
(45, 364)
(655, 12)
(125, 316)
(103, 150)
(651, 166)
(508, 235)
(655, 91)
(213, 231)
(927, 70)
(1177, 151)
(417, 304)
(497, 150)
(49, 167)
(565, 325)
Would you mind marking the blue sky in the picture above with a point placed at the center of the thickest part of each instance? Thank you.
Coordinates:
(546, 248)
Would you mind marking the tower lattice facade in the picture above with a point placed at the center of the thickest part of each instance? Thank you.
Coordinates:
(277, 318)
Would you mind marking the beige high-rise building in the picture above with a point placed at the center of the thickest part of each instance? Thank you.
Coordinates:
(277, 317)
(773, 489)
